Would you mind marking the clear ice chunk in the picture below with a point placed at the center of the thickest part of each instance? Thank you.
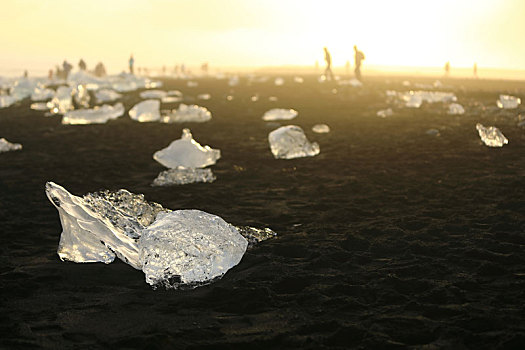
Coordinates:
(384, 113)
(6, 146)
(508, 102)
(279, 114)
(298, 80)
(183, 176)
(39, 106)
(414, 99)
(289, 142)
(106, 95)
(192, 84)
(204, 96)
(81, 96)
(146, 111)
(491, 136)
(97, 115)
(321, 128)
(6, 101)
(186, 152)
(456, 109)
(153, 94)
(42, 94)
(278, 81)
(185, 113)
(62, 101)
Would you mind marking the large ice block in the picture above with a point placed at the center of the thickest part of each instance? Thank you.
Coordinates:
(146, 111)
(290, 142)
(183, 176)
(97, 115)
(185, 113)
(186, 152)
(106, 95)
(153, 94)
(81, 96)
(279, 114)
(6, 101)
(491, 136)
(6, 146)
(508, 102)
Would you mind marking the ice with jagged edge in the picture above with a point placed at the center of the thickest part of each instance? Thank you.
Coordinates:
(188, 153)
(146, 111)
(185, 113)
(508, 102)
(321, 128)
(183, 176)
(289, 142)
(172, 248)
(62, 101)
(280, 114)
(97, 115)
(6, 146)
(456, 109)
(491, 136)
(153, 94)
(106, 95)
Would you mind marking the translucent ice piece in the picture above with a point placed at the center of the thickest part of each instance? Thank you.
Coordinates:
(39, 106)
(432, 132)
(508, 102)
(82, 77)
(23, 88)
(158, 94)
(414, 101)
(298, 80)
(6, 101)
(279, 114)
(171, 99)
(321, 128)
(107, 95)
(97, 115)
(290, 142)
(352, 82)
(491, 136)
(185, 113)
(42, 94)
(186, 152)
(273, 98)
(189, 247)
(384, 113)
(192, 84)
(279, 81)
(62, 101)
(204, 96)
(233, 81)
(146, 111)
(81, 96)
(6, 146)
(456, 108)
(183, 176)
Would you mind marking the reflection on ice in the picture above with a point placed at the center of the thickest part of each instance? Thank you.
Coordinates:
(289, 142)
(97, 115)
(491, 136)
(183, 176)
(279, 114)
(6, 146)
(146, 111)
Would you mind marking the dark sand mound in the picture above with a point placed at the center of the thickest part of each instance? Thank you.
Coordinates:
(389, 238)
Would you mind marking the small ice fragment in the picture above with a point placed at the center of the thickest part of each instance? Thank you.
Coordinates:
(414, 101)
(185, 113)
(153, 84)
(192, 84)
(405, 83)
(183, 176)
(279, 114)
(298, 80)
(279, 81)
(97, 115)
(384, 113)
(456, 108)
(6, 101)
(6, 146)
(42, 94)
(204, 96)
(491, 136)
(289, 142)
(432, 132)
(229, 98)
(321, 128)
(255, 98)
(107, 95)
(186, 152)
(352, 82)
(146, 111)
(508, 102)
(39, 106)
(175, 93)
(273, 99)
(153, 94)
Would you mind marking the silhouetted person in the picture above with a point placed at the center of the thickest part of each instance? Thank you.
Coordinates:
(50, 74)
(328, 69)
(131, 63)
(100, 70)
(204, 68)
(358, 57)
(447, 69)
(82, 65)
(25, 74)
(66, 66)
(475, 70)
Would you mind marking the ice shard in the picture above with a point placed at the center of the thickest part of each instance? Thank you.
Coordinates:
(185, 113)
(491, 136)
(97, 115)
(6, 146)
(289, 142)
(279, 114)
(321, 128)
(153, 94)
(508, 102)
(106, 95)
(183, 176)
(186, 152)
(172, 248)
(456, 109)
(146, 111)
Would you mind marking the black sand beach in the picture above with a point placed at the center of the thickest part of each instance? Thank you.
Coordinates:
(389, 238)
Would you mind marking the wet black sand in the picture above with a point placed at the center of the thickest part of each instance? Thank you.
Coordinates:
(390, 238)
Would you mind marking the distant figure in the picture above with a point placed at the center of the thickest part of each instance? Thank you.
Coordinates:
(82, 64)
(66, 66)
(358, 57)
(131, 63)
(25, 74)
(447, 69)
(328, 70)
(164, 70)
(50, 74)
(475, 70)
(183, 68)
(100, 70)
(204, 68)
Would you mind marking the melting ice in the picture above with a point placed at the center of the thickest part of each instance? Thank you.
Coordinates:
(290, 142)
(491, 136)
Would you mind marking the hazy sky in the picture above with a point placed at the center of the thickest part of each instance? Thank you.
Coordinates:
(38, 34)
